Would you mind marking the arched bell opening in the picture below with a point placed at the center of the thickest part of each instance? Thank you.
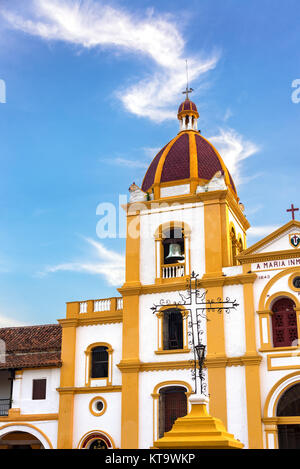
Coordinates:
(172, 250)
(20, 440)
(173, 246)
(289, 407)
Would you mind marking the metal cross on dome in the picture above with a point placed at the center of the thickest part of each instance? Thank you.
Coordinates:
(195, 302)
(187, 90)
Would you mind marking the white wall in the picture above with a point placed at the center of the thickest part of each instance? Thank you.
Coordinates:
(22, 391)
(109, 422)
(87, 335)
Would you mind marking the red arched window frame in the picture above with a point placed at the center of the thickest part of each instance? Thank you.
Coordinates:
(284, 323)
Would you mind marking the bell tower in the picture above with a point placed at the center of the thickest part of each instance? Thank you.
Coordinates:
(185, 217)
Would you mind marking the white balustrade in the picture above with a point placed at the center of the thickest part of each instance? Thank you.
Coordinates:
(102, 305)
(173, 271)
(119, 303)
(83, 307)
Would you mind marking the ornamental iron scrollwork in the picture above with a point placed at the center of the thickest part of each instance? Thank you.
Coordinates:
(195, 302)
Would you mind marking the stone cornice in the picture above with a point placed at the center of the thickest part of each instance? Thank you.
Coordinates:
(204, 197)
(241, 279)
(88, 319)
(210, 362)
(89, 389)
(268, 256)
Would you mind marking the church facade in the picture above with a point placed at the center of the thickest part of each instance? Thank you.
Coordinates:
(122, 372)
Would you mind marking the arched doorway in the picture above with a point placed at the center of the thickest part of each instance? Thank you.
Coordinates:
(172, 405)
(289, 406)
(20, 440)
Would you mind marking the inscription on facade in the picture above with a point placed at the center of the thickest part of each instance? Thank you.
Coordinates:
(276, 264)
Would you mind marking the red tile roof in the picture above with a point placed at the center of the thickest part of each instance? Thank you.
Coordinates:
(176, 162)
(187, 105)
(31, 346)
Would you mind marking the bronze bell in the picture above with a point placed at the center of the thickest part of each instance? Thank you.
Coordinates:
(175, 254)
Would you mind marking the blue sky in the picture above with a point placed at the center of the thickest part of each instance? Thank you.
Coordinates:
(92, 90)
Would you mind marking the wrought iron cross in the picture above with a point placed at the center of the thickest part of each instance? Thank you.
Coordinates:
(197, 305)
(293, 210)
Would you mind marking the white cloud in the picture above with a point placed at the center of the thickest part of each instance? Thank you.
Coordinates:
(146, 154)
(128, 163)
(261, 231)
(90, 24)
(233, 149)
(9, 322)
(110, 264)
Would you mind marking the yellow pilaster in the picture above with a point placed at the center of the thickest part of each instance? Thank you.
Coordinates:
(129, 364)
(254, 412)
(216, 350)
(213, 237)
(67, 377)
(215, 240)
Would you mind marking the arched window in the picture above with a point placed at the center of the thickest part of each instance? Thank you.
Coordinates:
(289, 406)
(233, 246)
(284, 323)
(172, 329)
(172, 405)
(99, 365)
(96, 440)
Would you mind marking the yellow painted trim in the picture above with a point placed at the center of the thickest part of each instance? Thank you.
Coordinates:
(193, 163)
(29, 426)
(281, 294)
(269, 256)
(160, 330)
(216, 351)
(167, 352)
(273, 391)
(283, 355)
(130, 375)
(96, 413)
(89, 390)
(271, 237)
(291, 278)
(272, 281)
(88, 363)
(17, 417)
(252, 374)
(67, 379)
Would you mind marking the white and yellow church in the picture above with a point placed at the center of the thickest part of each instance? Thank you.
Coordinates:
(113, 374)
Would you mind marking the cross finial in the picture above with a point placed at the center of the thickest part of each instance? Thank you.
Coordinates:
(293, 210)
(187, 90)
